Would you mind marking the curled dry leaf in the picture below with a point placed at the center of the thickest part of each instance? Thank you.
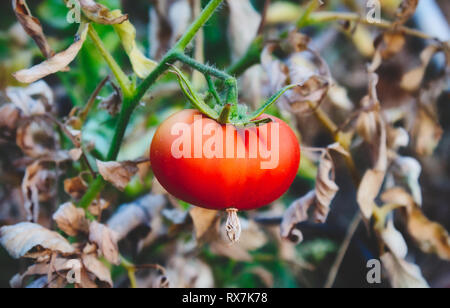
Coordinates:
(320, 199)
(75, 187)
(37, 139)
(136, 215)
(118, 174)
(96, 267)
(75, 154)
(168, 21)
(412, 80)
(205, 221)
(37, 186)
(430, 236)
(394, 240)
(304, 67)
(189, 273)
(389, 44)
(98, 206)
(20, 240)
(372, 127)
(296, 213)
(427, 133)
(71, 220)
(106, 241)
(142, 65)
(45, 270)
(403, 274)
(100, 14)
(113, 103)
(32, 26)
(9, 120)
(36, 99)
(326, 188)
(56, 63)
(406, 171)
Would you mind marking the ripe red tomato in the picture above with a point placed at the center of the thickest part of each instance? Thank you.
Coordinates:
(228, 180)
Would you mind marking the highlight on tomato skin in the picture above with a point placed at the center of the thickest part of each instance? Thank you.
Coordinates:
(222, 167)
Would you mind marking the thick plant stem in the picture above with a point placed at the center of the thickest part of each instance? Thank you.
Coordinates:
(132, 97)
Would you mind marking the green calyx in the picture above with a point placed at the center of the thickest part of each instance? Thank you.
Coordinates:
(230, 112)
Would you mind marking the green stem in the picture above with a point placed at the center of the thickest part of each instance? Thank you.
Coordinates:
(312, 6)
(212, 89)
(197, 25)
(230, 82)
(121, 77)
(250, 58)
(92, 192)
(271, 101)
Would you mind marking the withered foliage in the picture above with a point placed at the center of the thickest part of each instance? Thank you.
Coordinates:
(348, 111)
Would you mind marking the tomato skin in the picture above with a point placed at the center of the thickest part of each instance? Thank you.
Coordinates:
(228, 182)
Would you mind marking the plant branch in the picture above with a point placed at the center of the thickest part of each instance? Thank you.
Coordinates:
(319, 17)
(121, 77)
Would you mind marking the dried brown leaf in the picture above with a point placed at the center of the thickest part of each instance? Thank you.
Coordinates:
(189, 273)
(403, 274)
(75, 187)
(9, 120)
(37, 139)
(32, 26)
(96, 267)
(306, 69)
(296, 213)
(19, 240)
(100, 13)
(405, 11)
(98, 206)
(412, 80)
(368, 190)
(37, 186)
(430, 236)
(106, 240)
(112, 103)
(36, 99)
(75, 154)
(204, 221)
(138, 214)
(390, 44)
(56, 63)
(326, 188)
(427, 133)
(372, 127)
(45, 271)
(71, 220)
(118, 173)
